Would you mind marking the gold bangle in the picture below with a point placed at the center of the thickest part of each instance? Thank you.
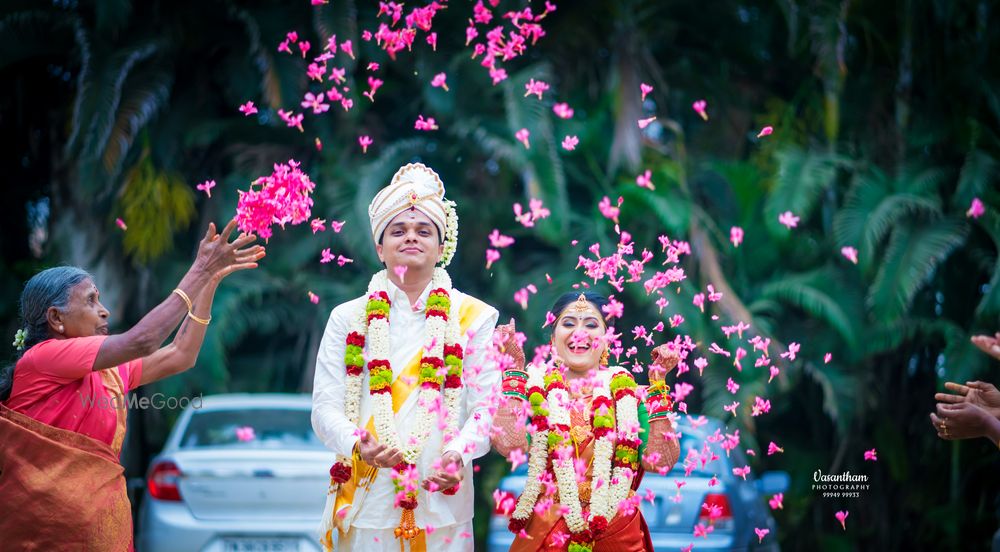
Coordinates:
(202, 321)
(187, 300)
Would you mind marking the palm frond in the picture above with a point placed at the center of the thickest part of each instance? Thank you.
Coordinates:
(543, 174)
(839, 396)
(979, 171)
(913, 254)
(270, 88)
(671, 209)
(867, 190)
(989, 305)
(144, 95)
(809, 293)
(885, 338)
(893, 211)
(801, 178)
(99, 97)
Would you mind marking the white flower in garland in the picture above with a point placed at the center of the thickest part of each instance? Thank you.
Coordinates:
(453, 381)
(565, 472)
(604, 447)
(627, 420)
(628, 424)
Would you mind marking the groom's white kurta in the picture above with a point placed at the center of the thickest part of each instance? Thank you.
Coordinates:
(406, 333)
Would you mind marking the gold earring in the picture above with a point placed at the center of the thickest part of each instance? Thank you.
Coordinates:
(604, 358)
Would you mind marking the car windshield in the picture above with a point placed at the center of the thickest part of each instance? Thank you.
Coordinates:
(251, 428)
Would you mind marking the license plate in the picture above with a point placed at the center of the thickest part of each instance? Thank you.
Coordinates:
(260, 545)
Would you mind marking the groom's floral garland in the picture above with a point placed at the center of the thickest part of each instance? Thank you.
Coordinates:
(613, 467)
(441, 365)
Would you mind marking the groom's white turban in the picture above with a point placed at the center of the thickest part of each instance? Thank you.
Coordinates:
(414, 185)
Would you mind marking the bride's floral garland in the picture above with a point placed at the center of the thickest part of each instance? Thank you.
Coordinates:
(550, 416)
(441, 365)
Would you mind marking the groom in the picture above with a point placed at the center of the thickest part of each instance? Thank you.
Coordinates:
(402, 385)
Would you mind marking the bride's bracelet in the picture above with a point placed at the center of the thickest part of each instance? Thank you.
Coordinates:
(514, 382)
(658, 402)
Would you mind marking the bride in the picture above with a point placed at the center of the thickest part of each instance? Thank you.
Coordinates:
(595, 432)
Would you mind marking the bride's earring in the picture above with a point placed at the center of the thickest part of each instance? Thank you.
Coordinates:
(604, 358)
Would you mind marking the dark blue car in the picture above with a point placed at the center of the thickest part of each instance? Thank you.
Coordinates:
(743, 504)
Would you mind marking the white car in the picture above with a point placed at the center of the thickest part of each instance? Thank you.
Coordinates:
(242, 473)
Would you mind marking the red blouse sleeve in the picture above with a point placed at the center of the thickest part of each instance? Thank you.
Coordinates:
(134, 374)
(66, 359)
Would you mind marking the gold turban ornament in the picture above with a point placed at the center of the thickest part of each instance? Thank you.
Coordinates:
(416, 186)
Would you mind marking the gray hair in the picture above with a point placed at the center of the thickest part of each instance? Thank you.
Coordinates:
(48, 288)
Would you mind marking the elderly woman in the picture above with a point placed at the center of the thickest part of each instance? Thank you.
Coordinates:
(584, 413)
(62, 415)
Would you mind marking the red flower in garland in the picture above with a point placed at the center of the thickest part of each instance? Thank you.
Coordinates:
(340, 472)
(602, 432)
(356, 339)
(434, 362)
(353, 370)
(516, 525)
(455, 350)
(438, 313)
(625, 392)
(408, 504)
(541, 422)
(557, 385)
(598, 524)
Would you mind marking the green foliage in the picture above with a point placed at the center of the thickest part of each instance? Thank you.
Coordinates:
(157, 204)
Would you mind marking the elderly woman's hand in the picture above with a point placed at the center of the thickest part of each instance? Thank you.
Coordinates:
(219, 257)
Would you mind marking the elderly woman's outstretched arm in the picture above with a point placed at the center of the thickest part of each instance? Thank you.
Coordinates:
(217, 258)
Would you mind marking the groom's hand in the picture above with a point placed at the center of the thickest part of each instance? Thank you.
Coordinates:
(376, 454)
(448, 475)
